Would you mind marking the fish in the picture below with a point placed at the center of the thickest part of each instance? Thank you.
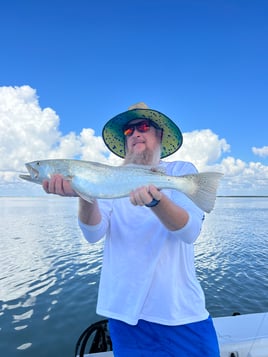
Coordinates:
(93, 180)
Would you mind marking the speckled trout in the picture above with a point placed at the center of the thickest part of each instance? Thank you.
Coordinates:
(94, 180)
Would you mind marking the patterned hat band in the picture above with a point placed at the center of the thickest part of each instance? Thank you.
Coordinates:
(114, 138)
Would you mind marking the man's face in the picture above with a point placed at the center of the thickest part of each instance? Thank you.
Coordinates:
(141, 136)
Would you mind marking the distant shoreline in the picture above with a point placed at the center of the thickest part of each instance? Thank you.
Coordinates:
(236, 196)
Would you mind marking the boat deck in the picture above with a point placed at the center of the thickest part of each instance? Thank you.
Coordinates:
(239, 336)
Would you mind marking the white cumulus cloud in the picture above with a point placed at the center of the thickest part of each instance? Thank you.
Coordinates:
(262, 152)
(25, 129)
(203, 148)
(29, 132)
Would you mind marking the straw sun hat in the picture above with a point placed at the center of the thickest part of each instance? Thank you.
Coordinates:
(114, 138)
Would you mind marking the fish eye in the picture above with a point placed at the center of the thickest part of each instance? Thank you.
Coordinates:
(38, 163)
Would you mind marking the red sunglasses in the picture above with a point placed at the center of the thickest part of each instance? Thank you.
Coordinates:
(141, 127)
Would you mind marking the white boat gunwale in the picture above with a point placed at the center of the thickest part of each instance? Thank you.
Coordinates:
(239, 336)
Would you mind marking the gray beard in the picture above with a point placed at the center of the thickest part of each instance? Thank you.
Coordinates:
(147, 157)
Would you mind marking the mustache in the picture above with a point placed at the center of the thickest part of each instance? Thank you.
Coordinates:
(137, 141)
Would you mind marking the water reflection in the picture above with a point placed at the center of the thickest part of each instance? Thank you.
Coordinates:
(49, 274)
(41, 255)
(231, 255)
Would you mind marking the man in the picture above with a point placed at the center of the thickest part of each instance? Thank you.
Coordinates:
(148, 287)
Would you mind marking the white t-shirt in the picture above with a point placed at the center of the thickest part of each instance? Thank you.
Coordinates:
(148, 271)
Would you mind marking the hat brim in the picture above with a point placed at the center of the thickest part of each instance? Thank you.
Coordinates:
(114, 138)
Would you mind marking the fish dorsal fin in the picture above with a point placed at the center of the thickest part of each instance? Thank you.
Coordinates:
(156, 169)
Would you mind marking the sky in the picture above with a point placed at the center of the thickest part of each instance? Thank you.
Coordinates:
(67, 67)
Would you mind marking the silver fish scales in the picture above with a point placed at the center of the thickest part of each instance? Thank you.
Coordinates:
(94, 180)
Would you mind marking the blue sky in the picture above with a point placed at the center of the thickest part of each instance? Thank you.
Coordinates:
(202, 63)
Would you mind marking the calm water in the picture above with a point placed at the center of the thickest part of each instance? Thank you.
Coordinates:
(49, 274)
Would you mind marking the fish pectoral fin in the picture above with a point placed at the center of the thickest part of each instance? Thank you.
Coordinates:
(77, 189)
(85, 197)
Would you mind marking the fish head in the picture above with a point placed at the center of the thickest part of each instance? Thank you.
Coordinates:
(38, 171)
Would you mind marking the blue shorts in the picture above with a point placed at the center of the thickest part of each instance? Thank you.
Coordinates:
(148, 339)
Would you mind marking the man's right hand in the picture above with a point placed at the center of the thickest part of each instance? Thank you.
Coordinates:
(59, 186)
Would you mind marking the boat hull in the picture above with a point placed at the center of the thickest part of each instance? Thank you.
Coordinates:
(239, 336)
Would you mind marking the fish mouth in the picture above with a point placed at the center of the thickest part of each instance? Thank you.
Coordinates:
(26, 177)
(34, 174)
(32, 171)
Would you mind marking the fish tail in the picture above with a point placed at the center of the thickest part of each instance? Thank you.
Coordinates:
(204, 189)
